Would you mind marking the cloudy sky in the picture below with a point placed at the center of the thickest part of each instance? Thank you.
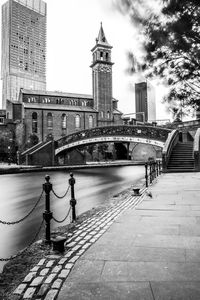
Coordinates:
(72, 27)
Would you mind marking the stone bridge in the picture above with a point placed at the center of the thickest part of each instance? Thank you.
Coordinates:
(119, 133)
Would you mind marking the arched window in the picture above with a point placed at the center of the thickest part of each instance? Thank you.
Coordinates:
(77, 121)
(91, 121)
(108, 114)
(64, 121)
(49, 121)
(34, 122)
(101, 114)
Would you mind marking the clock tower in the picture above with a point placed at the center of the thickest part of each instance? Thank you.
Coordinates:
(102, 79)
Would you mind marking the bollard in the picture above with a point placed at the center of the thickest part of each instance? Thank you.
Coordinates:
(146, 174)
(157, 169)
(155, 174)
(47, 215)
(59, 243)
(159, 166)
(136, 191)
(73, 200)
(150, 171)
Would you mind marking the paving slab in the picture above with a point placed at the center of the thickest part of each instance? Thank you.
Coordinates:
(107, 291)
(151, 251)
(176, 290)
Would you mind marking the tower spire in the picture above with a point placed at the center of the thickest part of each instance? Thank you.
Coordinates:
(101, 39)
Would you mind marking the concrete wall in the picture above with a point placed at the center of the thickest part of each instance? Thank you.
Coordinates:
(142, 152)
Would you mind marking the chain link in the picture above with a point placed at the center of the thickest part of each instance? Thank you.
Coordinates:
(64, 217)
(60, 197)
(22, 219)
(29, 245)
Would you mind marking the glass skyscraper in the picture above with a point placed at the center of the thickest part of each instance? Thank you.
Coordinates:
(23, 61)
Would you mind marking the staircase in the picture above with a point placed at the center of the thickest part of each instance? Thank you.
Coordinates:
(181, 158)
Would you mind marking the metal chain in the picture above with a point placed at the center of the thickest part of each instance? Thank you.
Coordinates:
(29, 245)
(60, 197)
(64, 217)
(22, 219)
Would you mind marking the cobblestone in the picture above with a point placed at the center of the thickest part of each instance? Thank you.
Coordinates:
(43, 289)
(20, 289)
(44, 272)
(29, 277)
(37, 281)
(50, 278)
(55, 268)
(51, 295)
(57, 284)
(41, 262)
(64, 273)
(50, 263)
(29, 293)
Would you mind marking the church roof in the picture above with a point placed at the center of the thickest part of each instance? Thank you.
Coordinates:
(56, 93)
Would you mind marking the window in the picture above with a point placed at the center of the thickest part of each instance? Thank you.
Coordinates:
(107, 56)
(77, 121)
(102, 114)
(1, 120)
(101, 55)
(64, 121)
(34, 122)
(91, 121)
(108, 114)
(49, 121)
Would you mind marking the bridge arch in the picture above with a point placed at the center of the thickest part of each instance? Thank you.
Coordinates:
(117, 133)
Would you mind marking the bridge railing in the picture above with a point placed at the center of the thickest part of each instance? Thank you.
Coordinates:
(196, 150)
(171, 141)
(148, 132)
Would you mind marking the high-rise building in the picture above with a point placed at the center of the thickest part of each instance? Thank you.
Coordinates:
(23, 61)
(145, 104)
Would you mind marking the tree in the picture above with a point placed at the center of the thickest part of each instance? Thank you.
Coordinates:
(171, 45)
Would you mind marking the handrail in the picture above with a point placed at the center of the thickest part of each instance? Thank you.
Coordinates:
(196, 150)
(32, 148)
(171, 141)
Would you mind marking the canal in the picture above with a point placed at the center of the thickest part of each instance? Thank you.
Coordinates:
(19, 193)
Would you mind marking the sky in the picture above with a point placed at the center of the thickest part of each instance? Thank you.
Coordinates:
(72, 27)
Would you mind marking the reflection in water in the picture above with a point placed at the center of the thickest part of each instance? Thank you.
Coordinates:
(19, 193)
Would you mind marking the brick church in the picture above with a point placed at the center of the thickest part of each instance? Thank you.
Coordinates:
(44, 115)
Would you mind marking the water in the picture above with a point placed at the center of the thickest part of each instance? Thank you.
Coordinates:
(19, 193)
